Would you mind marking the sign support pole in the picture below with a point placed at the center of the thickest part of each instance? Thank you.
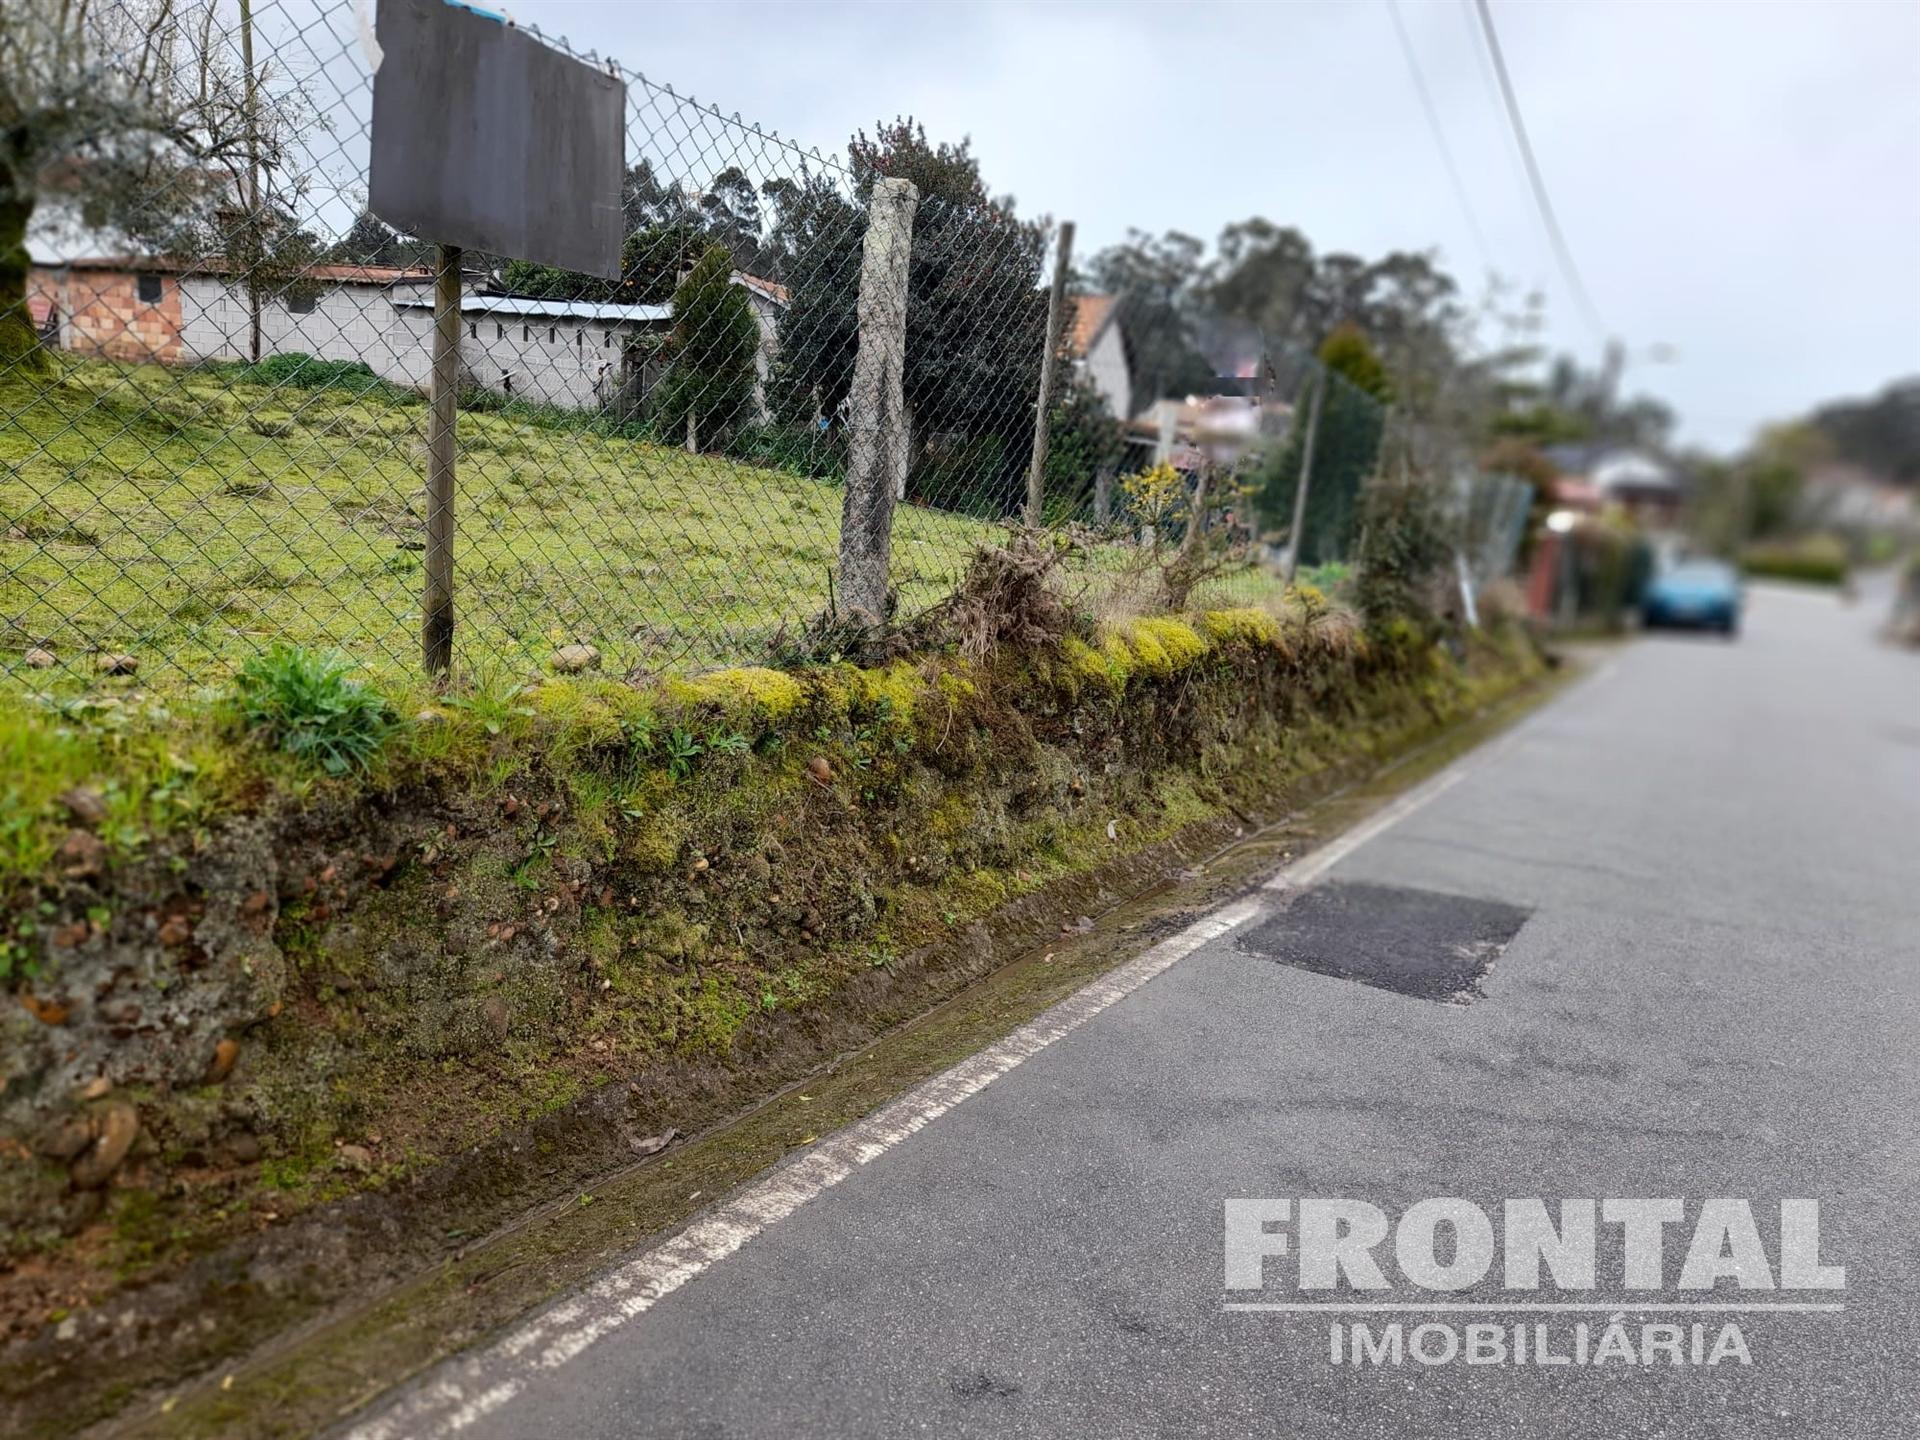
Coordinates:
(436, 613)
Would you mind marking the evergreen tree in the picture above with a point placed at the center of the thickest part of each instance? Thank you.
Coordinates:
(710, 354)
(976, 314)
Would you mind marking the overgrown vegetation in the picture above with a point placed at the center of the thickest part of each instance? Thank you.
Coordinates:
(583, 908)
(1400, 573)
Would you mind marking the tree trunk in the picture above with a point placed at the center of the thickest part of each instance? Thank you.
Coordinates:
(19, 340)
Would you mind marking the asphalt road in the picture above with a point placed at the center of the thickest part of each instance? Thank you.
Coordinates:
(1712, 855)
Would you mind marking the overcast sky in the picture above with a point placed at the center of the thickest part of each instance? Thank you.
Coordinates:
(1740, 181)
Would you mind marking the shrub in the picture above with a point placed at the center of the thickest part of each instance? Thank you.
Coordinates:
(1192, 531)
(1403, 551)
(302, 702)
(1816, 560)
(307, 372)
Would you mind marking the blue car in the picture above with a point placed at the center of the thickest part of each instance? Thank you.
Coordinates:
(1694, 594)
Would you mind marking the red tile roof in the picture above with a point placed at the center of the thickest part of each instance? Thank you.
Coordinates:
(1090, 314)
(347, 274)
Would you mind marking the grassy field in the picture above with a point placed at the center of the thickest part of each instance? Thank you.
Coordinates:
(187, 516)
(191, 517)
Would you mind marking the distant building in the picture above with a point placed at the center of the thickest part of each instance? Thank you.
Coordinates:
(1097, 348)
(1646, 486)
(1216, 429)
(572, 353)
(560, 352)
(159, 311)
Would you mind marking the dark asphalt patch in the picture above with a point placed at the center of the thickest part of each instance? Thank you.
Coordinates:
(1413, 942)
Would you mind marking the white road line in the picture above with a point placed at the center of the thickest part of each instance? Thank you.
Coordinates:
(463, 1391)
(474, 1387)
(1310, 867)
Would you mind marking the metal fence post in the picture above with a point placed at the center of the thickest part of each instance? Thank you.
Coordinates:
(436, 614)
(876, 410)
(1298, 531)
(1036, 473)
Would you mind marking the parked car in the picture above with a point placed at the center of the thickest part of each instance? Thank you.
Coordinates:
(1695, 594)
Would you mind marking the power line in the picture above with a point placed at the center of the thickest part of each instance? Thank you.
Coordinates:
(1440, 136)
(1562, 253)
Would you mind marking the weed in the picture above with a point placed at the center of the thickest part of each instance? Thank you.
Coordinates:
(302, 702)
(494, 710)
(682, 750)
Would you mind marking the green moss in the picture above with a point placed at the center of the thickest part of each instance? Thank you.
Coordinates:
(1084, 664)
(852, 696)
(747, 695)
(1243, 626)
(156, 772)
(1164, 646)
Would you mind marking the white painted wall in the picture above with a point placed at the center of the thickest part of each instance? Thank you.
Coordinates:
(1106, 366)
(347, 322)
(556, 361)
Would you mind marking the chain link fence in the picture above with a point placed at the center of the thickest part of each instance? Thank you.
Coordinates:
(214, 359)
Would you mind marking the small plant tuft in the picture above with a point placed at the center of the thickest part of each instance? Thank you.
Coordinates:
(302, 701)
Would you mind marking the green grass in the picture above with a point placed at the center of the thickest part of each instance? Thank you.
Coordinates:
(198, 516)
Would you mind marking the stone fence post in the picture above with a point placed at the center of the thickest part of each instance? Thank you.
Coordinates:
(876, 404)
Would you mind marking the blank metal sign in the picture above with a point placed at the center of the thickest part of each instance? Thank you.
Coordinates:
(486, 138)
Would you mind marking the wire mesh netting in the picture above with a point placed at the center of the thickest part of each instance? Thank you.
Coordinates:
(213, 417)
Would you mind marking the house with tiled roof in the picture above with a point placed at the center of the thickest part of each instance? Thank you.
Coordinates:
(1097, 348)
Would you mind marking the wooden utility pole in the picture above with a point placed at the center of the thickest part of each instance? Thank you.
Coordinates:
(876, 404)
(436, 614)
(1036, 472)
(1297, 533)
